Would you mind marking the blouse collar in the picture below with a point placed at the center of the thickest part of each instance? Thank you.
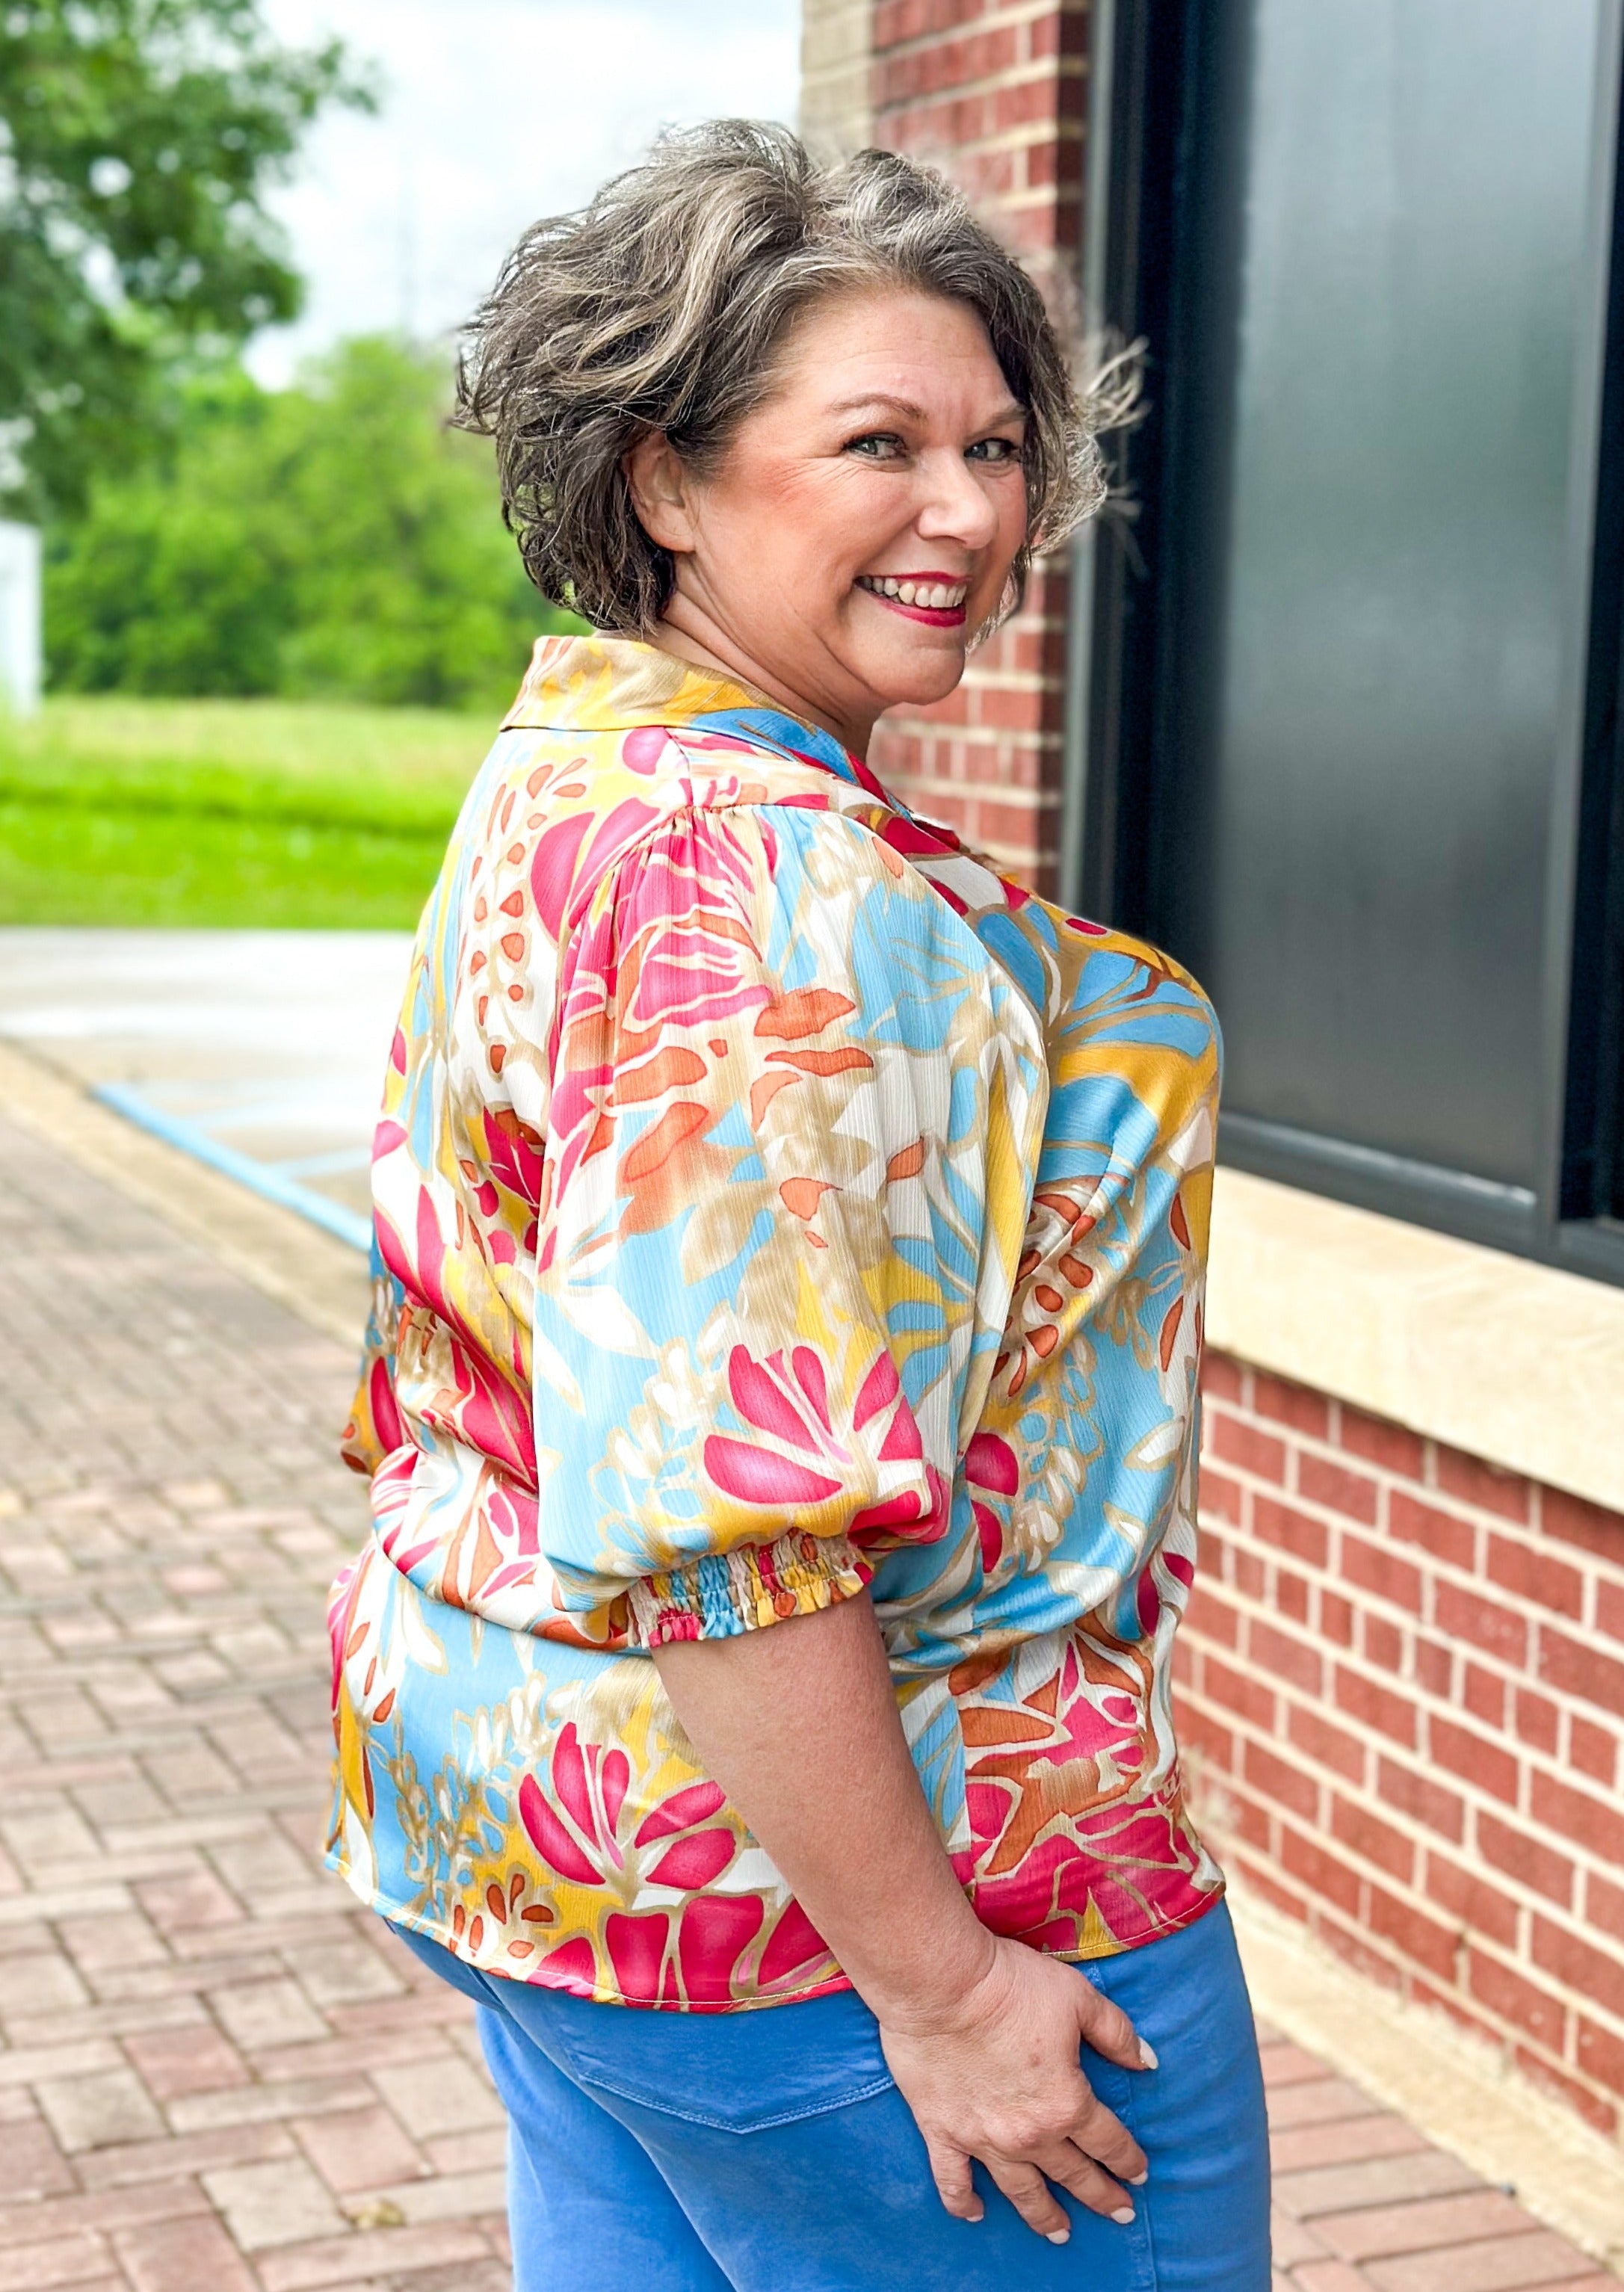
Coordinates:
(610, 684)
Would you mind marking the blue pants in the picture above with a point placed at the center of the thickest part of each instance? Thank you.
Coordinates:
(770, 2151)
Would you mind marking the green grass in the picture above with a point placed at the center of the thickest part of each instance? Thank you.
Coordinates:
(232, 812)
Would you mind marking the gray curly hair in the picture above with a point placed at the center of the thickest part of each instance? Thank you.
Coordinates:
(660, 307)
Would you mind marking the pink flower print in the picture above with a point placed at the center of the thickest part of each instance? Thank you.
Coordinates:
(696, 1804)
(690, 975)
(791, 1406)
(637, 1952)
(788, 1403)
(990, 1464)
(694, 1862)
(489, 1411)
(715, 1932)
(643, 746)
(563, 876)
(513, 1152)
(591, 1789)
(581, 1838)
(571, 1966)
(918, 1512)
(682, 930)
(1048, 1793)
(794, 1943)
(1148, 1594)
(553, 869)
(692, 1949)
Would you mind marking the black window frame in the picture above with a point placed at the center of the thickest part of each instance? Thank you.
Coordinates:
(1144, 57)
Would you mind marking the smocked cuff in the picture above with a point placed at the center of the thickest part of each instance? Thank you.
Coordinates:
(746, 1589)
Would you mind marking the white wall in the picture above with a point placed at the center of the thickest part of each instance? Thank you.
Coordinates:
(22, 628)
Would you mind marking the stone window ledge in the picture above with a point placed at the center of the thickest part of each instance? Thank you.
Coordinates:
(1514, 1362)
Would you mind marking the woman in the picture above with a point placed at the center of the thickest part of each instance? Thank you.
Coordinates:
(780, 1409)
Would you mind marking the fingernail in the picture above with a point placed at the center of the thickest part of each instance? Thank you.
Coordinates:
(1138, 2180)
(1063, 2235)
(1123, 2217)
(1147, 2056)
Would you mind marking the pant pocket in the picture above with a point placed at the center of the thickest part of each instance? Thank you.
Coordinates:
(734, 2072)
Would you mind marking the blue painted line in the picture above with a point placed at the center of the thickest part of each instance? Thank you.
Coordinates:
(259, 1177)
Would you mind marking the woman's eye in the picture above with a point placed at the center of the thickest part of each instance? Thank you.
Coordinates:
(999, 451)
(878, 446)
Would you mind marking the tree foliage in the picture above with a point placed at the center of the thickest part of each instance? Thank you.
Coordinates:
(332, 539)
(137, 141)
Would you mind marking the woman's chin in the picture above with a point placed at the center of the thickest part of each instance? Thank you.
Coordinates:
(917, 675)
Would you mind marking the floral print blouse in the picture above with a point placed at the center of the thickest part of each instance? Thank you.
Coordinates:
(772, 1200)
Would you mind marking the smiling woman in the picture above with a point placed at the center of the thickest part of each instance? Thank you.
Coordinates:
(890, 438)
(669, 311)
(780, 1402)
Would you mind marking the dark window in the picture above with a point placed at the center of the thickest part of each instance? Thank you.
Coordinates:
(1349, 706)
(1593, 1158)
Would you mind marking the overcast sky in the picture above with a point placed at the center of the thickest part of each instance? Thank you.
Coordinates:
(493, 112)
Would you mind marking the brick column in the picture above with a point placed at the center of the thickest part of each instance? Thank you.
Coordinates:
(836, 75)
(993, 91)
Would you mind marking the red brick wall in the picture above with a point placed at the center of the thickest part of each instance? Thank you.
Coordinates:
(993, 91)
(1402, 1698)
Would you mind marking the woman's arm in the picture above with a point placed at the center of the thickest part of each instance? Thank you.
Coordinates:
(798, 1723)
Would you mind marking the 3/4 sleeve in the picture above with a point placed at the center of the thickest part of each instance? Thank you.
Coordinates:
(787, 1168)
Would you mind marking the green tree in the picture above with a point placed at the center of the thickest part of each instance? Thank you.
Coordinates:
(137, 141)
(331, 539)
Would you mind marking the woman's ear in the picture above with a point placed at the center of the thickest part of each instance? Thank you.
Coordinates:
(661, 491)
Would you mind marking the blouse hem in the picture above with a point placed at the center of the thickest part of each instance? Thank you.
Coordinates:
(397, 1914)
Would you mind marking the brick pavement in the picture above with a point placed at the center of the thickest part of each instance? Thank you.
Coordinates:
(216, 2075)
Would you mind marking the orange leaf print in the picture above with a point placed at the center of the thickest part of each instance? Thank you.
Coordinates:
(669, 1069)
(764, 1090)
(976, 1670)
(801, 1195)
(985, 1725)
(675, 1127)
(804, 1011)
(821, 1062)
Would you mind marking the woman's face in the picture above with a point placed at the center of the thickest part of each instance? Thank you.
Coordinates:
(862, 524)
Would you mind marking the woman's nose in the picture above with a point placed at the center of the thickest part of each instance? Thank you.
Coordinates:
(956, 507)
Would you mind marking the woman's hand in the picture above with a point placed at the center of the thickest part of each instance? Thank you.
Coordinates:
(798, 1723)
(995, 2076)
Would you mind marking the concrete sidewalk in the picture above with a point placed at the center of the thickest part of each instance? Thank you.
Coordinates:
(216, 2075)
(266, 1047)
